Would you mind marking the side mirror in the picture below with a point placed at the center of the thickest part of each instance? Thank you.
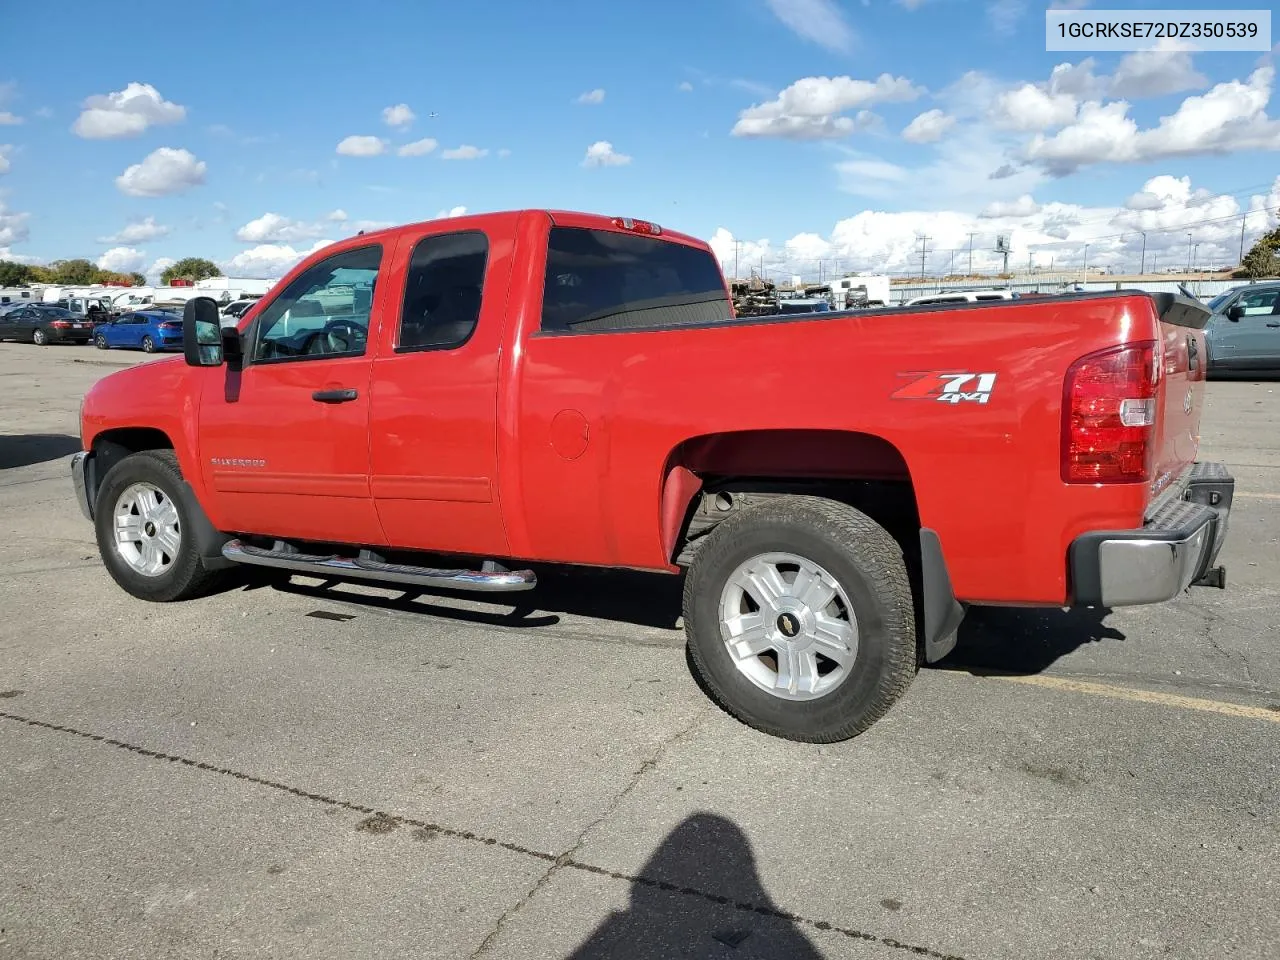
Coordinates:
(201, 333)
(1235, 313)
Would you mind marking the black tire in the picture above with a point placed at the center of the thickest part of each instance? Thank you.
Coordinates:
(100, 342)
(39, 337)
(870, 568)
(186, 577)
(148, 345)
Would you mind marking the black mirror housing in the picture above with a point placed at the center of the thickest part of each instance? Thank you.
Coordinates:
(202, 333)
(1235, 313)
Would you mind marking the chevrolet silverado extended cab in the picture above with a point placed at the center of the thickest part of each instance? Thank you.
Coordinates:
(453, 403)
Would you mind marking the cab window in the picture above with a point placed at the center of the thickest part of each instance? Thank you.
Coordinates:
(443, 291)
(323, 313)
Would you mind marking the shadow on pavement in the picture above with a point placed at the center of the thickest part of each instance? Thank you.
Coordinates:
(623, 596)
(28, 448)
(1014, 640)
(705, 852)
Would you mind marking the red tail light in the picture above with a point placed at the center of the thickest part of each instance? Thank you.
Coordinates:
(637, 226)
(170, 326)
(61, 324)
(1109, 414)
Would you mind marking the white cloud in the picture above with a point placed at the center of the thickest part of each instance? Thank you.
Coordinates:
(1230, 117)
(1031, 107)
(158, 266)
(685, 87)
(1024, 206)
(362, 146)
(1005, 15)
(418, 148)
(813, 108)
(8, 119)
(5, 150)
(928, 127)
(140, 231)
(452, 212)
(1055, 233)
(398, 116)
(274, 228)
(122, 260)
(1156, 73)
(592, 96)
(163, 172)
(267, 261)
(504, 153)
(337, 216)
(602, 154)
(125, 113)
(13, 226)
(464, 152)
(818, 21)
(368, 226)
(7, 253)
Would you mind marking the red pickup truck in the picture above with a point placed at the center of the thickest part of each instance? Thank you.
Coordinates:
(444, 404)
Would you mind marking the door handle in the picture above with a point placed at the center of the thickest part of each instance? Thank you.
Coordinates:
(334, 396)
(1273, 324)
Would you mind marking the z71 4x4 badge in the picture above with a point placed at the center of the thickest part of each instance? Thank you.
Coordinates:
(948, 387)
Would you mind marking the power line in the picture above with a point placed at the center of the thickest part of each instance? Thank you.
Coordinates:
(924, 248)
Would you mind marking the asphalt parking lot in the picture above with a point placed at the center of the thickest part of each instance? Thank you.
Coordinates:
(344, 773)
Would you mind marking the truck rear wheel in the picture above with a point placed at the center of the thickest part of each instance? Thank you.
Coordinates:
(799, 619)
(143, 520)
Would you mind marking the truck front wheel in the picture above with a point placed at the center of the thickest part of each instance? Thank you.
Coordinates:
(799, 619)
(143, 520)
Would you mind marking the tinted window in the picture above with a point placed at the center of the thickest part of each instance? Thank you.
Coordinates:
(443, 291)
(322, 313)
(598, 280)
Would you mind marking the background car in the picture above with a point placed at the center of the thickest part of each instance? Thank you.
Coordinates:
(146, 330)
(1244, 332)
(41, 324)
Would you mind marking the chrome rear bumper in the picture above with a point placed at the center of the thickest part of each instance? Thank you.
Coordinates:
(1175, 549)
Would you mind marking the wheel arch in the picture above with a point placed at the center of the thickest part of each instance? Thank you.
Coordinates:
(707, 478)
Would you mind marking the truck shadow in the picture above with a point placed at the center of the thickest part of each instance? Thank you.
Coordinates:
(999, 640)
(26, 449)
(1015, 640)
(621, 596)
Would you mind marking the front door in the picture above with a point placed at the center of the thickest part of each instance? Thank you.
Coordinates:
(434, 415)
(285, 443)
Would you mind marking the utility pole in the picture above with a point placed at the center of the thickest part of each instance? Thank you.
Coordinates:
(1085, 276)
(924, 249)
(1188, 253)
(736, 245)
(1243, 220)
(1143, 268)
(971, 254)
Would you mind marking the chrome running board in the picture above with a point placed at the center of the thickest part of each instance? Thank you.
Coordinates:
(358, 568)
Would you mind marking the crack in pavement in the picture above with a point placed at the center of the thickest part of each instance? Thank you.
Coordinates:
(562, 861)
(567, 858)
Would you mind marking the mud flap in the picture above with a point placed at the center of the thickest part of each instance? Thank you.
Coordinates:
(942, 612)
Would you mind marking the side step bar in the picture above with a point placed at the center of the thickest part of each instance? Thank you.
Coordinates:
(357, 568)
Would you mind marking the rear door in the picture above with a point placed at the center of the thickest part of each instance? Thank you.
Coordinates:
(433, 419)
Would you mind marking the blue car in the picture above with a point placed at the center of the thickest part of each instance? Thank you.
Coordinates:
(146, 330)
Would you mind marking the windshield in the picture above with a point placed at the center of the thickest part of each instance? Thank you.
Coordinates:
(1216, 303)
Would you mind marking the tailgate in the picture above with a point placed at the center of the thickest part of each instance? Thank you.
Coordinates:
(1182, 323)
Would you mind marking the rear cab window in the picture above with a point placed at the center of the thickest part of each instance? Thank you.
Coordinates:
(599, 280)
(443, 291)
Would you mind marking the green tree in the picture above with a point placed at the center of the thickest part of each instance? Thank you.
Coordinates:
(190, 268)
(14, 274)
(1263, 260)
(138, 279)
(40, 274)
(75, 273)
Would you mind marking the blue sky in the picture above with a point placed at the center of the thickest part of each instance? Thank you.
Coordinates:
(706, 124)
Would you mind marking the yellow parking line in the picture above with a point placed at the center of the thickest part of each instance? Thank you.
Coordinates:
(1148, 696)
